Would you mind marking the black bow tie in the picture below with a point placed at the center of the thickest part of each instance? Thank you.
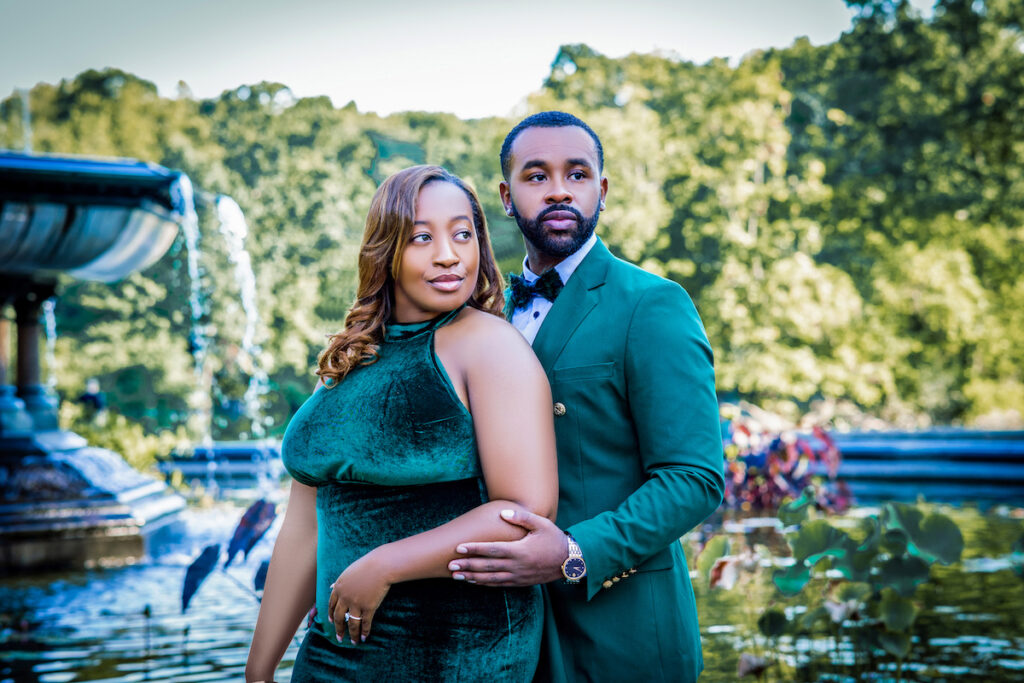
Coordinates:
(547, 285)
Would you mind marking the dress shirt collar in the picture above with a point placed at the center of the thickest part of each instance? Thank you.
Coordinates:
(568, 266)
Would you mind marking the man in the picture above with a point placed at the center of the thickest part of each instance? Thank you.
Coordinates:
(636, 422)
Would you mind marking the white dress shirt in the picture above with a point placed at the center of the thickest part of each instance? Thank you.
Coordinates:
(529, 319)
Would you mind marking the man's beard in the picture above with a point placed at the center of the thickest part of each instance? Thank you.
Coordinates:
(533, 230)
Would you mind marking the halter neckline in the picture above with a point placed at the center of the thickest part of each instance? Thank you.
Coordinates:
(395, 331)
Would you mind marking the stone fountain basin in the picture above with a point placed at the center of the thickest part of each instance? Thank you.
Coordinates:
(95, 219)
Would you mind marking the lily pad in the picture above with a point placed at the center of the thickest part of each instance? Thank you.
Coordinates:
(791, 580)
(896, 612)
(935, 537)
(850, 590)
(894, 542)
(806, 622)
(872, 529)
(817, 539)
(903, 574)
(940, 538)
(795, 511)
(896, 644)
(773, 623)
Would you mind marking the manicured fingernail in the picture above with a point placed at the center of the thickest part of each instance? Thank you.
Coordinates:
(332, 586)
(330, 618)
(508, 514)
(363, 638)
(460, 549)
(468, 581)
(459, 577)
(353, 640)
(454, 566)
(339, 639)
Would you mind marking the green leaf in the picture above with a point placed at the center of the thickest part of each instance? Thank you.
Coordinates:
(817, 539)
(773, 623)
(896, 644)
(850, 590)
(894, 542)
(902, 516)
(935, 537)
(795, 511)
(715, 548)
(896, 612)
(810, 618)
(872, 529)
(903, 574)
(940, 538)
(857, 567)
(792, 579)
(865, 638)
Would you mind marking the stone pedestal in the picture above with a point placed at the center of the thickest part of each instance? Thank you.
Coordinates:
(62, 502)
(15, 422)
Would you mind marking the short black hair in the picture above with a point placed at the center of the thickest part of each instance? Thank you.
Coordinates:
(547, 119)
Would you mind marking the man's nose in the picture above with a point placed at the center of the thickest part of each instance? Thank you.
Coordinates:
(558, 193)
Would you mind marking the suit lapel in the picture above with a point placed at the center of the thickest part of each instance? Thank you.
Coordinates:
(572, 306)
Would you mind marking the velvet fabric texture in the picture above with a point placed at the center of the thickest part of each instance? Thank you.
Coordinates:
(392, 452)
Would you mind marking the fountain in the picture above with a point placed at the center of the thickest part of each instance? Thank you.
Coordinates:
(62, 502)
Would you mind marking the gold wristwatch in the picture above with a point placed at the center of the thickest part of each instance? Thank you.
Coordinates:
(574, 568)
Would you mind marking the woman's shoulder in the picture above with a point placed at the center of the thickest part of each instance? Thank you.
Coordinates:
(481, 335)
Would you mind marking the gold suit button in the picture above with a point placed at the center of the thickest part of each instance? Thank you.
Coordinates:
(559, 409)
(607, 584)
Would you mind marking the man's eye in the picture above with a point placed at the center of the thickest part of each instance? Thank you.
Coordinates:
(536, 176)
(577, 175)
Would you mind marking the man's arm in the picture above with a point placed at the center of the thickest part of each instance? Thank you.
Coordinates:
(671, 393)
(670, 384)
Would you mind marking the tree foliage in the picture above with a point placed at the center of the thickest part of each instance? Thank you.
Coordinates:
(848, 217)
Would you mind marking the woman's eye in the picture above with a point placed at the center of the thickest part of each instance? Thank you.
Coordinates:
(420, 237)
(464, 235)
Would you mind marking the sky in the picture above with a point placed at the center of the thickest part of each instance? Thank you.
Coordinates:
(473, 58)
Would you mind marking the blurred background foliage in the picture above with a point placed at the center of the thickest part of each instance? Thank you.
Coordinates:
(848, 217)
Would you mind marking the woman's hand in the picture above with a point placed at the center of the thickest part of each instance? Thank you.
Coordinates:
(355, 597)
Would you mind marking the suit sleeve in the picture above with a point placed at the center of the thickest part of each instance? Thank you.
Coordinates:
(670, 388)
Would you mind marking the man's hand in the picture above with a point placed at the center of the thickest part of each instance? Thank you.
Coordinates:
(536, 558)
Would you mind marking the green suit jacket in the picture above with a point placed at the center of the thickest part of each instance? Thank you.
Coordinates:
(639, 464)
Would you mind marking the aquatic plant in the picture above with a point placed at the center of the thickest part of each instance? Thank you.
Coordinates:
(856, 584)
(769, 462)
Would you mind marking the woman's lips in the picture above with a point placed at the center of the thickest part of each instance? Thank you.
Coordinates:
(446, 283)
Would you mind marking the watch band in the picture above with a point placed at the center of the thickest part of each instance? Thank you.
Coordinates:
(574, 568)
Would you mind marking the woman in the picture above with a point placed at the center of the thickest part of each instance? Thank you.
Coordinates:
(433, 416)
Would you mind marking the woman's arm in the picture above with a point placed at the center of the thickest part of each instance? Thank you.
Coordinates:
(510, 400)
(290, 589)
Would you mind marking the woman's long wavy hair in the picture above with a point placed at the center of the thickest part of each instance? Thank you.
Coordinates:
(388, 230)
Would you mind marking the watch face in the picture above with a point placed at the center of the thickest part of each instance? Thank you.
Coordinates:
(574, 568)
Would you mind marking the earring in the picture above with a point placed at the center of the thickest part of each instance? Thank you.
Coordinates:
(508, 212)
(602, 205)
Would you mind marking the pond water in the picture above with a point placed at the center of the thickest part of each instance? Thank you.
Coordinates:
(970, 627)
(91, 625)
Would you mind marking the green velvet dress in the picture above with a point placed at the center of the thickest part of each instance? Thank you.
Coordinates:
(392, 452)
